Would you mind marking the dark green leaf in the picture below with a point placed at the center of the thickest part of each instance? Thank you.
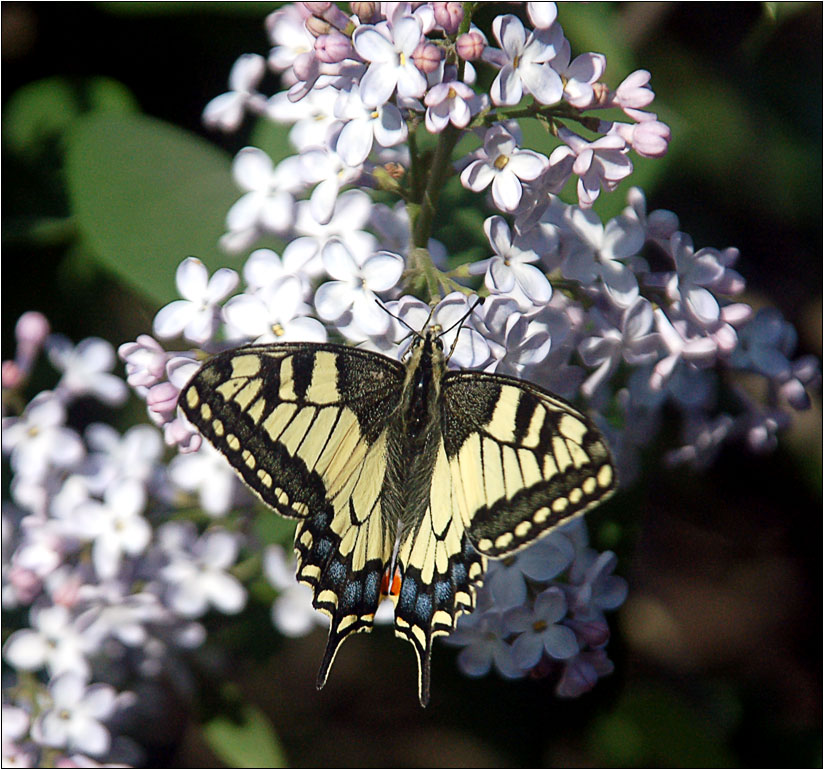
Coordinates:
(145, 196)
(249, 742)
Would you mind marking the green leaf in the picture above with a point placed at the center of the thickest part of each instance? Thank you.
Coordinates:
(42, 111)
(249, 742)
(145, 195)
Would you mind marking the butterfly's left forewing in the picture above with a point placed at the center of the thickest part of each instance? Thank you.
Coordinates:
(305, 426)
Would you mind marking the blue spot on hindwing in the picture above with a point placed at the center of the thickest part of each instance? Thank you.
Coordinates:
(351, 594)
(337, 573)
(443, 593)
(371, 587)
(323, 548)
(409, 590)
(423, 607)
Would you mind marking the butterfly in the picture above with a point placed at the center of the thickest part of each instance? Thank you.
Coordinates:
(403, 476)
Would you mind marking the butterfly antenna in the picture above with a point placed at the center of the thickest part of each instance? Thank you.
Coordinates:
(460, 322)
(396, 317)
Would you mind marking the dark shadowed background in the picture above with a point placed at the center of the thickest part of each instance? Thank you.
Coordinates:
(718, 649)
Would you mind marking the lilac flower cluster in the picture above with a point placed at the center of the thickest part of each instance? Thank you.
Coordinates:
(626, 317)
(111, 586)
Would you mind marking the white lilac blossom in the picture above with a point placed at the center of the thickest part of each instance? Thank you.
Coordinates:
(86, 369)
(197, 576)
(75, 716)
(112, 548)
(292, 611)
(524, 64)
(505, 166)
(354, 286)
(196, 315)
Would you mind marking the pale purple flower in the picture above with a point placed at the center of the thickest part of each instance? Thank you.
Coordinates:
(542, 15)
(329, 173)
(469, 350)
(268, 201)
(592, 587)
(600, 251)
(524, 63)
(503, 165)
(649, 137)
(482, 636)
(145, 361)
(582, 672)
(116, 525)
(226, 111)
(545, 559)
(86, 369)
(196, 315)
(515, 340)
(278, 314)
(694, 272)
(351, 215)
(511, 271)
(389, 53)
(660, 225)
(74, 718)
(681, 344)
(539, 630)
(112, 456)
(38, 440)
(353, 287)
(600, 163)
(207, 473)
(449, 102)
(764, 344)
(362, 124)
(53, 641)
(634, 342)
(634, 92)
(292, 611)
(197, 573)
(289, 37)
(579, 75)
(30, 332)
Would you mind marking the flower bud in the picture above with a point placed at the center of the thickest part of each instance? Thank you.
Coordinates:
(317, 26)
(449, 16)
(471, 45)
(333, 47)
(427, 57)
(364, 11)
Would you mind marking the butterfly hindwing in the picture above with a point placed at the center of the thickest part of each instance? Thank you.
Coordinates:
(305, 427)
(522, 460)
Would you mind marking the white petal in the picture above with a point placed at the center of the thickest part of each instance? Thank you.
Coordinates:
(382, 271)
(252, 168)
(191, 279)
(172, 319)
(247, 314)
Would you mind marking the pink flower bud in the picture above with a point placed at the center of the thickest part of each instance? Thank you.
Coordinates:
(32, 327)
(12, 374)
(449, 16)
(650, 139)
(162, 400)
(471, 45)
(333, 47)
(427, 57)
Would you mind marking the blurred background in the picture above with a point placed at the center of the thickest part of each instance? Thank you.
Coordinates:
(717, 651)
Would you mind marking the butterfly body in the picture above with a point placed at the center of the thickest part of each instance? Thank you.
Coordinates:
(404, 477)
